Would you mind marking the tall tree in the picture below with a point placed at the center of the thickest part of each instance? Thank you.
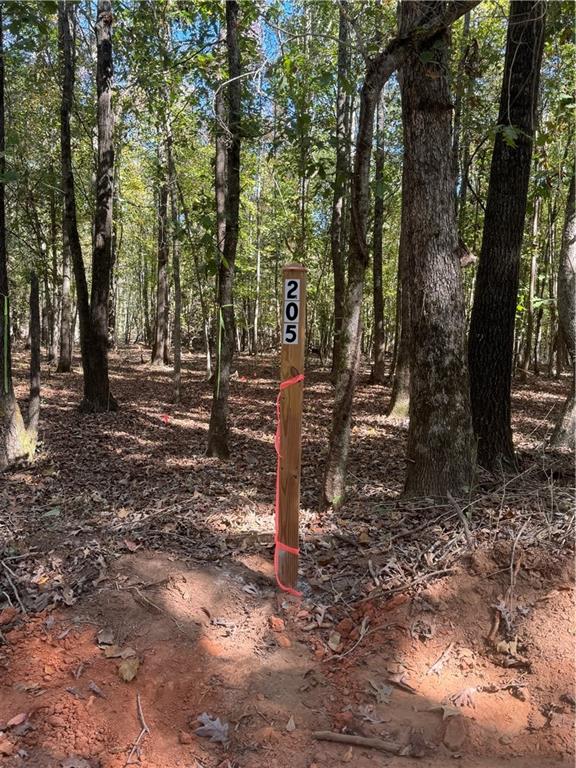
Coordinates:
(218, 428)
(93, 307)
(378, 70)
(378, 365)
(160, 344)
(336, 223)
(491, 338)
(565, 433)
(17, 439)
(440, 439)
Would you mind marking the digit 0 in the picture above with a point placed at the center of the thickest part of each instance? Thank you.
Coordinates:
(291, 311)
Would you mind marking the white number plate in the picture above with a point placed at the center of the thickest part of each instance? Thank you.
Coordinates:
(291, 311)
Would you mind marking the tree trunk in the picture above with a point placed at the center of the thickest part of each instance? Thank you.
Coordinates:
(177, 335)
(400, 398)
(92, 314)
(491, 337)
(440, 439)
(336, 224)
(16, 440)
(53, 352)
(198, 275)
(565, 431)
(525, 364)
(65, 356)
(160, 346)
(97, 395)
(218, 429)
(378, 70)
(378, 367)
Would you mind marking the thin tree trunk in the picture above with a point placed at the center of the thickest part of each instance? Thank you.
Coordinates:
(197, 273)
(525, 364)
(65, 356)
(400, 397)
(53, 352)
(379, 364)
(565, 431)
(336, 225)
(440, 438)
(458, 109)
(218, 428)
(160, 346)
(177, 334)
(491, 337)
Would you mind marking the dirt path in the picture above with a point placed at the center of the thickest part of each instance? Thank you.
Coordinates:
(155, 562)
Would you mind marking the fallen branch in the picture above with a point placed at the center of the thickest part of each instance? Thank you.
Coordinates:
(358, 741)
(145, 730)
(7, 572)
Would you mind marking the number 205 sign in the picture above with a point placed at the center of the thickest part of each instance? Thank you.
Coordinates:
(291, 311)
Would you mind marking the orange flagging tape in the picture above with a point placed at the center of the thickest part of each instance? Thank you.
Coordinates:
(279, 545)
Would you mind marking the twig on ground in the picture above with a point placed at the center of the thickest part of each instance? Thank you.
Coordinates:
(436, 668)
(7, 572)
(462, 516)
(145, 730)
(358, 741)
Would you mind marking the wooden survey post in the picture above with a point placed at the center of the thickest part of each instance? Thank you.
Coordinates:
(293, 327)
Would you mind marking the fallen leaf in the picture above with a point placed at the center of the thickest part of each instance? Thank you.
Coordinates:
(112, 651)
(383, 692)
(446, 709)
(7, 616)
(18, 719)
(6, 746)
(128, 669)
(464, 698)
(75, 762)
(96, 689)
(105, 637)
(334, 641)
(131, 546)
(54, 512)
(348, 755)
(508, 646)
(68, 596)
(212, 728)
(291, 725)
(128, 652)
(399, 679)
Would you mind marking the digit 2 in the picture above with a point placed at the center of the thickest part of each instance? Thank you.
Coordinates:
(292, 289)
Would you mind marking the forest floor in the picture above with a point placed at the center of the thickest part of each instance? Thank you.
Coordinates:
(137, 592)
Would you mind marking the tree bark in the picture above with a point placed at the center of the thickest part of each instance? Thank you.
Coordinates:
(378, 70)
(218, 444)
(97, 395)
(17, 441)
(177, 334)
(565, 431)
(440, 438)
(160, 346)
(525, 364)
(399, 405)
(491, 337)
(336, 223)
(379, 364)
(65, 356)
(92, 311)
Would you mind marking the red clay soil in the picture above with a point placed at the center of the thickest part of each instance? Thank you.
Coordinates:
(136, 557)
